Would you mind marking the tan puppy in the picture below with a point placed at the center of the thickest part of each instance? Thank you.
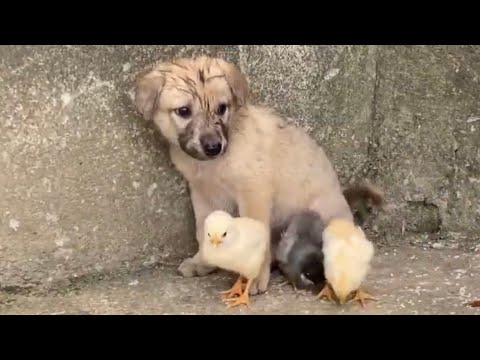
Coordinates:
(236, 156)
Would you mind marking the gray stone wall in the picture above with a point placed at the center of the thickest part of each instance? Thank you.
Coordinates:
(86, 186)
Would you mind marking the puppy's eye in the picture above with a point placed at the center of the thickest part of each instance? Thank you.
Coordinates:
(184, 112)
(224, 234)
(221, 109)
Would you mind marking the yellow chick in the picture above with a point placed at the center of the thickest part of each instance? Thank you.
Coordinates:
(347, 257)
(236, 244)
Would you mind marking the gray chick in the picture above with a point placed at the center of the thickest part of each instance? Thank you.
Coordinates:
(299, 253)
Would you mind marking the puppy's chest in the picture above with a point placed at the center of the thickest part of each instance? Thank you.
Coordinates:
(210, 179)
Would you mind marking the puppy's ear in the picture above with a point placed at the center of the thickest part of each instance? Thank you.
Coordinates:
(237, 81)
(148, 88)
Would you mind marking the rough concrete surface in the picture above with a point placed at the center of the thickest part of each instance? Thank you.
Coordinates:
(87, 191)
(406, 281)
(428, 139)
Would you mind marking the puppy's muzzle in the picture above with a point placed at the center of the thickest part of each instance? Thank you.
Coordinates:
(211, 145)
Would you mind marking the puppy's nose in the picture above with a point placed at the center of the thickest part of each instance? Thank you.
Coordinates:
(211, 144)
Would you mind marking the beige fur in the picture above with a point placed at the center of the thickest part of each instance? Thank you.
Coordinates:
(266, 170)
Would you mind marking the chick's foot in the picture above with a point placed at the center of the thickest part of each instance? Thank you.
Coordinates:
(236, 290)
(361, 296)
(243, 299)
(326, 292)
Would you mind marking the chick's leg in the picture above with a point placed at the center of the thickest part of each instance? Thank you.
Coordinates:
(361, 296)
(326, 292)
(236, 290)
(242, 299)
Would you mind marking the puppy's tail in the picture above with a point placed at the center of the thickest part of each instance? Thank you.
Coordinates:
(362, 197)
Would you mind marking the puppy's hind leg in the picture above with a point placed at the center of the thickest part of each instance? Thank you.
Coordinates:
(194, 266)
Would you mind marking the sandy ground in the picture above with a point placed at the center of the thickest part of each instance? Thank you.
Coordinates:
(406, 280)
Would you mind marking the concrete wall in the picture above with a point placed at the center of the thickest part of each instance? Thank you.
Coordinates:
(86, 187)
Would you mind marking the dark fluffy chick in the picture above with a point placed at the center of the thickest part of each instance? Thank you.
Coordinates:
(299, 252)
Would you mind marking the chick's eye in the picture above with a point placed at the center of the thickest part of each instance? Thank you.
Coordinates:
(222, 108)
(224, 234)
(184, 112)
(208, 234)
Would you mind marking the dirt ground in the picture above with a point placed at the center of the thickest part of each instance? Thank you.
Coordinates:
(407, 280)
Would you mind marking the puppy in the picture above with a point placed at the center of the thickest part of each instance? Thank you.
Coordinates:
(235, 156)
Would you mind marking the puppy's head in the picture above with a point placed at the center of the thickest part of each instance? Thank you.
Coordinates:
(192, 101)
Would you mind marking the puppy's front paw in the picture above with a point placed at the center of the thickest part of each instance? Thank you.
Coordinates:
(260, 285)
(192, 267)
(253, 288)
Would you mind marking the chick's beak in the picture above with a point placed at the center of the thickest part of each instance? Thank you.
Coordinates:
(342, 299)
(215, 240)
